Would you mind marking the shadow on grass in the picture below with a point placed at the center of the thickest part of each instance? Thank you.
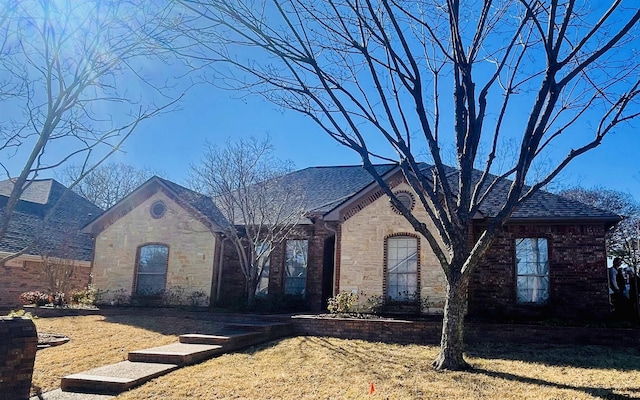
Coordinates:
(602, 393)
(581, 356)
(168, 324)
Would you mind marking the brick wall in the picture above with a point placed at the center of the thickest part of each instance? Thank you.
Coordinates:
(577, 274)
(18, 345)
(428, 332)
(233, 281)
(23, 275)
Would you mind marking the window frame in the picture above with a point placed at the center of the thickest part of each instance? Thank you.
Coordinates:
(137, 273)
(546, 300)
(287, 289)
(411, 297)
(264, 273)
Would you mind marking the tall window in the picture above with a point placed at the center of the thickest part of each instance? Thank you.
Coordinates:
(295, 269)
(532, 270)
(263, 250)
(152, 269)
(402, 268)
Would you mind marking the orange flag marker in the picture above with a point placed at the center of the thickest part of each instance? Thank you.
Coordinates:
(372, 388)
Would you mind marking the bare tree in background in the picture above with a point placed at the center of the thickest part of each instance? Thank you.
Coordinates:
(624, 239)
(243, 178)
(392, 79)
(106, 184)
(76, 80)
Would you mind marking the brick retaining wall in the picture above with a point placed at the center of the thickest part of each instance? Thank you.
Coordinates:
(428, 332)
(18, 344)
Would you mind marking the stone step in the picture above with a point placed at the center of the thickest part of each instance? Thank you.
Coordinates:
(114, 378)
(271, 329)
(176, 353)
(228, 340)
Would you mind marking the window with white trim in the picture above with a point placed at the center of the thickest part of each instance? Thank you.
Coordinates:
(152, 269)
(532, 270)
(295, 268)
(402, 268)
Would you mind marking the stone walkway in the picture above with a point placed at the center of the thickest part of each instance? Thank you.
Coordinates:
(143, 365)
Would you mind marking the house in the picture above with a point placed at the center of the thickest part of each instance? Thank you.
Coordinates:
(45, 229)
(160, 239)
(549, 260)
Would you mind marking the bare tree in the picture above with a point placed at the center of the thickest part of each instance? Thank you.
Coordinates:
(624, 239)
(75, 82)
(108, 183)
(243, 178)
(420, 76)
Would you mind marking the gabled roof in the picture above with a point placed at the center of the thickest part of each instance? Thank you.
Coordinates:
(47, 219)
(355, 180)
(201, 206)
(327, 187)
(542, 205)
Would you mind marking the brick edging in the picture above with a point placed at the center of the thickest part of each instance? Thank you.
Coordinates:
(428, 332)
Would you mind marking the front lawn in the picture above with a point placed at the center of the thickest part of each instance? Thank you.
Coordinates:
(327, 368)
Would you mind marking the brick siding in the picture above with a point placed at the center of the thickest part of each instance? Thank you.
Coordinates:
(20, 276)
(18, 345)
(577, 273)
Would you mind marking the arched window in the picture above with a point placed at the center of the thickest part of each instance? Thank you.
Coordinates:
(402, 268)
(151, 275)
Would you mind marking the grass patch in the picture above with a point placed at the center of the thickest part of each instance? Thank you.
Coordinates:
(328, 368)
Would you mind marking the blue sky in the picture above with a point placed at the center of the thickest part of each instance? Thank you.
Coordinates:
(169, 143)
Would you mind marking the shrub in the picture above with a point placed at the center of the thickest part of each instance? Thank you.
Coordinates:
(36, 297)
(342, 303)
(198, 299)
(85, 297)
(58, 299)
(21, 314)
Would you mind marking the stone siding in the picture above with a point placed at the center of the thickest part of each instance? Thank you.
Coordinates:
(26, 274)
(18, 345)
(362, 244)
(191, 249)
(577, 273)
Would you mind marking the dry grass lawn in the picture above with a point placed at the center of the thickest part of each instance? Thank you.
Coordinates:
(327, 368)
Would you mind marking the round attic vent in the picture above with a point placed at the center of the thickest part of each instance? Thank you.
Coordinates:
(158, 209)
(407, 200)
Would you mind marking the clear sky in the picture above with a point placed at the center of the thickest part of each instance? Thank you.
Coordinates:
(169, 143)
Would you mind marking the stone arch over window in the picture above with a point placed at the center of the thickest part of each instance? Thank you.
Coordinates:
(402, 267)
(152, 261)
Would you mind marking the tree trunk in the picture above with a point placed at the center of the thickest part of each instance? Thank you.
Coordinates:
(452, 343)
(251, 292)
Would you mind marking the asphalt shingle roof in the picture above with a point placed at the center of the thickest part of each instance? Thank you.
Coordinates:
(542, 205)
(48, 218)
(200, 202)
(327, 187)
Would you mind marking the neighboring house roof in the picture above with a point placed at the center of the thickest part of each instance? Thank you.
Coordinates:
(201, 206)
(47, 220)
